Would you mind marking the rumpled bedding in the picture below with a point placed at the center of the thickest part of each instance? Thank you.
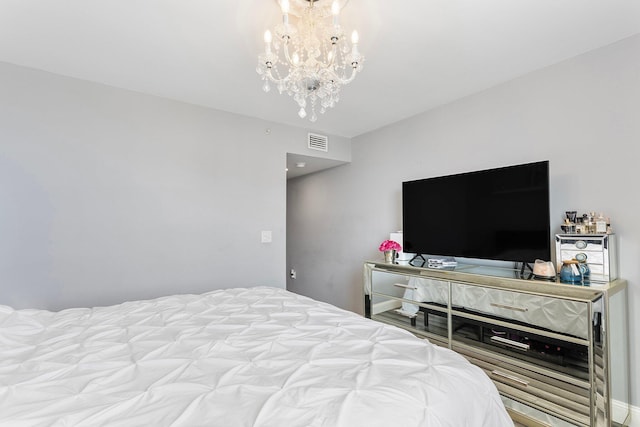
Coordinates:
(255, 357)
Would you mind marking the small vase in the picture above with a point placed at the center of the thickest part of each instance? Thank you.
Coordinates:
(390, 257)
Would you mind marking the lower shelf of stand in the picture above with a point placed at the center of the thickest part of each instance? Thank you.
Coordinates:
(561, 396)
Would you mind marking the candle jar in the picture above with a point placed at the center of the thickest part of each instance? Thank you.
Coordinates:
(570, 272)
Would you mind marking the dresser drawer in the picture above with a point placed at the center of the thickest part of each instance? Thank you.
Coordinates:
(531, 417)
(412, 288)
(555, 314)
(592, 257)
(419, 305)
(568, 400)
(576, 242)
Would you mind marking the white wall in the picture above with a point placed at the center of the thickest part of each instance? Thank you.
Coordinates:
(583, 115)
(108, 195)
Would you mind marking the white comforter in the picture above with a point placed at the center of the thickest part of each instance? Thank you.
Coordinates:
(238, 357)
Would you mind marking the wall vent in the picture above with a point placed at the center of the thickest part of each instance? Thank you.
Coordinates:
(318, 142)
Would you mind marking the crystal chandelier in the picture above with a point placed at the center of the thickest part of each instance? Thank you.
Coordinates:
(310, 59)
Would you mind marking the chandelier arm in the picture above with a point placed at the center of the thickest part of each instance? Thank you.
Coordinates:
(348, 80)
(273, 79)
(285, 49)
(334, 53)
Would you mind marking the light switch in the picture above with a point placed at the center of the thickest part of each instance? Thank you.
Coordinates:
(266, 237)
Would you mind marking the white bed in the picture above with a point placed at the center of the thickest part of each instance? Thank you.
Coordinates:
(236, 357)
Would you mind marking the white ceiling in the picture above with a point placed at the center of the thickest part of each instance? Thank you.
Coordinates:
(419, 54)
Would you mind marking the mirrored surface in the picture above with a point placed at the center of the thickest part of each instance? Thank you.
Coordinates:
(619, 354)
(414, 303)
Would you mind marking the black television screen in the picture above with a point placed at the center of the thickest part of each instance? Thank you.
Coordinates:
(496, 214)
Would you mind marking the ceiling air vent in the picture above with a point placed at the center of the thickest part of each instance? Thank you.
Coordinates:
(318, 142)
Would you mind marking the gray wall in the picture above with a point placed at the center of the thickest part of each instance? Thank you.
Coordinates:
(108, 195)
(582, 115)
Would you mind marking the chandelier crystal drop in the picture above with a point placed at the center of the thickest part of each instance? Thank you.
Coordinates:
(310, 59)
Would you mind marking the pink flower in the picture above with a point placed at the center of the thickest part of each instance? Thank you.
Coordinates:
(389, 245)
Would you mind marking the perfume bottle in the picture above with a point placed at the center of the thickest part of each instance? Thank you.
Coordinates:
(601, 224)
(585, 223)
(591, 222)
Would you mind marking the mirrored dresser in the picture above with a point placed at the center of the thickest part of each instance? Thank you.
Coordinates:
(557, 353)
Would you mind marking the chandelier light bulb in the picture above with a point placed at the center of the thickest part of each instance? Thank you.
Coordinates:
(354, 37)
(354, 49)
(267, 42)
(284, 5)
(302, 113)
(295, 58)
(335, 8)
(335, 11)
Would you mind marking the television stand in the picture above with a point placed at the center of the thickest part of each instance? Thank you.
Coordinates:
(557, 353)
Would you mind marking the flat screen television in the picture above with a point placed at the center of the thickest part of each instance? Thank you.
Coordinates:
(495, 214)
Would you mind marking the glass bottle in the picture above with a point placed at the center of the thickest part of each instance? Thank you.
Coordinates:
(583, 266)
(585, 223)
(601, 224)
(569, 272)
